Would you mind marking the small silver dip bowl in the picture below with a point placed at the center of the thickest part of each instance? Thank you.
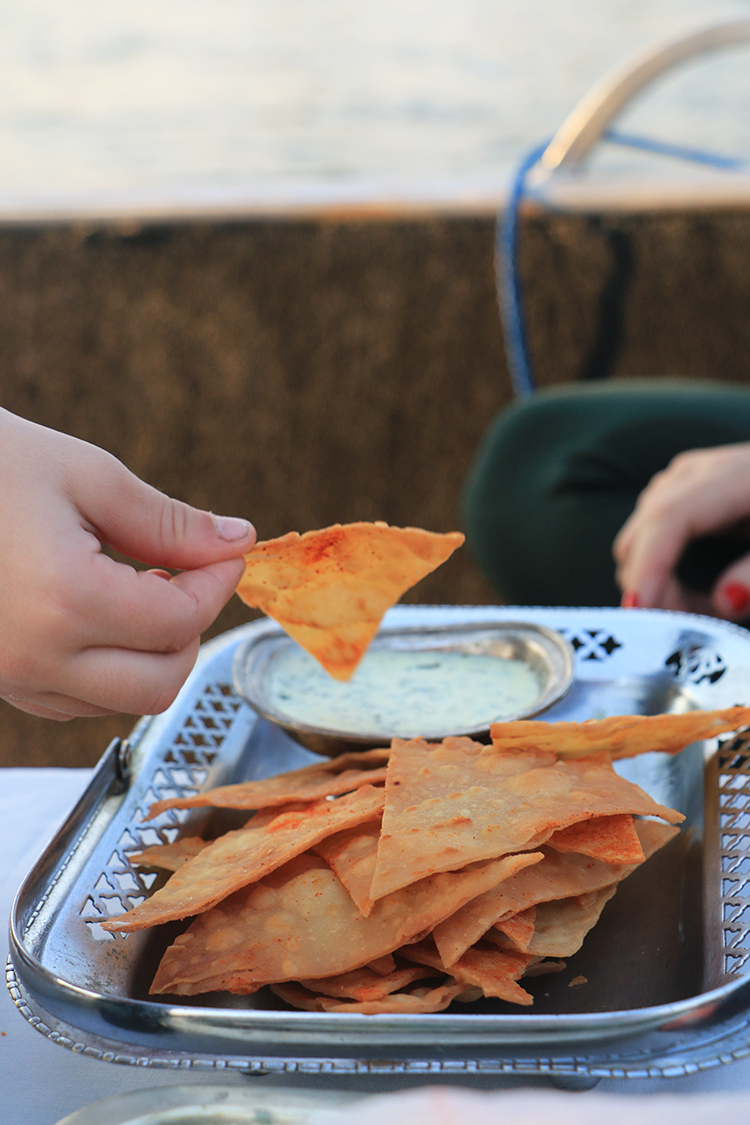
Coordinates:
(546, 653)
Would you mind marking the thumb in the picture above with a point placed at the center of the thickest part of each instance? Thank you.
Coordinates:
(730, 597)
(145, 524)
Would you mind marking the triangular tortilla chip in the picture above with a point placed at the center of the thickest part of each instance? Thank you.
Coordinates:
(329, 589)
(364, 984)
(557, 876)
(622, 736)
(247, 855)
(383, 966)
(519, 928)
(322, 779)
(300, 923)
(460, 802)
(351, 855)
(169, 857)
(560, 926)
(495, 972)
(418, 1002)
(612, 839)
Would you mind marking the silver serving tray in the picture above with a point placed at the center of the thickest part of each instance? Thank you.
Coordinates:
(666, 966)
(546, 652)
(209, 1105)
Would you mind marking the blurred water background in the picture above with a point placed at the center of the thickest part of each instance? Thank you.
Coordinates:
(224, 100)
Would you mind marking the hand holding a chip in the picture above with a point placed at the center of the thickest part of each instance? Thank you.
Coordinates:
(82, 634)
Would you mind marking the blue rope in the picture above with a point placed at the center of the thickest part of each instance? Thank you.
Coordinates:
(509, 290)
(679, 152)
(509, 282)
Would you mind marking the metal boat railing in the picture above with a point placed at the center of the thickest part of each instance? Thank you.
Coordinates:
(586, 126)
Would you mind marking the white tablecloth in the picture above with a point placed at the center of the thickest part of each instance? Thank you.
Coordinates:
(41, 1082)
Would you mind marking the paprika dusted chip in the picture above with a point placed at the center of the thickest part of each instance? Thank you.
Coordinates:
(612, 839)
(301, 923)
(558, 876)
(322, 779)
(329, 589)
(621, 736)
(246, 855)
(460, 802)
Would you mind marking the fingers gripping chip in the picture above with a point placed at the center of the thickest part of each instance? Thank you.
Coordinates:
(329, 589)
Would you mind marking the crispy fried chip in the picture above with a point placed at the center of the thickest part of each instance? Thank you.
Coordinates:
(382, 965)
(329, 589)
(460, 802)
(612, 839)
(622, 736)
(169, 857)
(482, 967)
(560, 926)
(351, 855)
(246, 855)
(519, 928)
(322, 779)
(300, 923)
(364, 984)
(417, 1002)
(558, 876)
(540, 968)
(226, 982)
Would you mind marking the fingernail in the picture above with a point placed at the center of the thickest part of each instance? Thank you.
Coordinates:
(231, 528)
(630, 600)
(737, 595)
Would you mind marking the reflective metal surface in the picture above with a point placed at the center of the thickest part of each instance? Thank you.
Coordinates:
(546, 653)
(665, 968)
(207, 1105)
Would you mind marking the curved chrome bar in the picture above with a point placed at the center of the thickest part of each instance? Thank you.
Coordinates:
(588, 121)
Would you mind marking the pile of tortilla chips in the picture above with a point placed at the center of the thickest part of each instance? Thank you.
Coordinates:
(400, 880)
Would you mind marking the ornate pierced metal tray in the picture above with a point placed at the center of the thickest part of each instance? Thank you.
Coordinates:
(666, 969)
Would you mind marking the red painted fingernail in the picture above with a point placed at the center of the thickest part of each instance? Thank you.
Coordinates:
(630, 600)
(737, 595)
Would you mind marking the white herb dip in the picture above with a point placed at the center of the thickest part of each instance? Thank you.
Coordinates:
(402, 693)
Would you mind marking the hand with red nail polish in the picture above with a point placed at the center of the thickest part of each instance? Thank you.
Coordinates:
(737, 595)
(701, 493)
(81, 634)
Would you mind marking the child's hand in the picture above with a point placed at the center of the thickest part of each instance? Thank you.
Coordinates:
(702, 492)
(81, 634)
